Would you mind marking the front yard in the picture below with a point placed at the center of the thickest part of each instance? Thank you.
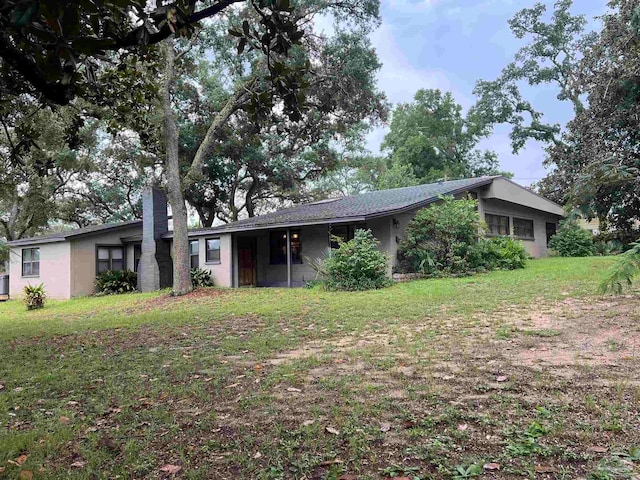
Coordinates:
(519, 374)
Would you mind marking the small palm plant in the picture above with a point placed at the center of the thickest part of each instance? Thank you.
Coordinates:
(624, 271)
(34, 296)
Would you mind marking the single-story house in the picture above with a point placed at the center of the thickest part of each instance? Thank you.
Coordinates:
(270, 249)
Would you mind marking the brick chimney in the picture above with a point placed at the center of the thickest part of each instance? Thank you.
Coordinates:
(155, 270)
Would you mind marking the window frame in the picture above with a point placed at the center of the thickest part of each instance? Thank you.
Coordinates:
(285, 235)
(30, 262)
(137, 247)
(207, 261)
(524, 237)
(196, 255)
(111, 247)
(490, 233)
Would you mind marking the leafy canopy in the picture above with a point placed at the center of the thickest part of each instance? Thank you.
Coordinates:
(433, 138)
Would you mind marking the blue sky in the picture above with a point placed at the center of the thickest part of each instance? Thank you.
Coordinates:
(449, 44)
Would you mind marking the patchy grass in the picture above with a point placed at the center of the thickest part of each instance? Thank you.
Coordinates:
(528, 370)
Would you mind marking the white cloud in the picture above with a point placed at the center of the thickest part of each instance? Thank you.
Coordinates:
(400, 80)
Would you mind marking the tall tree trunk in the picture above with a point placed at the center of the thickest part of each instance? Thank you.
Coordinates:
(181, 262)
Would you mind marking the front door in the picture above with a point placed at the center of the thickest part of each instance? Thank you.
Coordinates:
(247, 264)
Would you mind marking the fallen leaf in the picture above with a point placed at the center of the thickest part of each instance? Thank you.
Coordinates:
(501, 378)
(78, 464)
(463, 427)
(171, 469)
(326, 463)
(597, 449)
(545, 469)
(385, 427)
(257, 456)
(491, 466)
(233, 385)
(257, 366)
(1, 387)
(72, 403)
(294, 390)
(26, 475)
(332, 430)
(64, 420)
(306, 423)
(21, 459)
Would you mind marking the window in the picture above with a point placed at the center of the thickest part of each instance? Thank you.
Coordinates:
(344, 232)
(296, 247)
(278, 247)
(498, 224)
(137, 254)
(194, 253)
(30, 262)
(213, 250)
(523, 228)
(551, 231)
(110, 258)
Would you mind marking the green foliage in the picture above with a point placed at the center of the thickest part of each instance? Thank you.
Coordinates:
(433, 138)
(462, 472)
(439, 237)
(34, 296)
(4, 253)
(447, 238)
(572, 241)
(116, 282)
(357, 264)
(503, 253)
(624, 271)
(201, 278)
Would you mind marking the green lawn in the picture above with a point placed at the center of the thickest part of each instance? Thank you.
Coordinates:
(277, 383)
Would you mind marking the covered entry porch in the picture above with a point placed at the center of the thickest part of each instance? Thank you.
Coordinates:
(277, 257)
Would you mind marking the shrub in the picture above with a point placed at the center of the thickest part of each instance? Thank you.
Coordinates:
(201, 278)
(572, 241)
(439, 238)
(623, 273)
(34, 296)
(115, 282)
(498, 252)
(357, 264)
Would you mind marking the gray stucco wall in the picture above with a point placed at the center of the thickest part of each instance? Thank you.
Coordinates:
(538, 246)
(83, 258)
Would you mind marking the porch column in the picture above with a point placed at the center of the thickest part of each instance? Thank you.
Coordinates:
(289, 257)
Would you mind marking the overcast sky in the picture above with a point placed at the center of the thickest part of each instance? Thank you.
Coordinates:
(449, 44)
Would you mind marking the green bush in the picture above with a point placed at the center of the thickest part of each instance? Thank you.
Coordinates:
(572, 241)
(498, 252)
(115, 282)
(201, 278)
(357, 264)
(440, 238)
(624, 272)
(34, 296)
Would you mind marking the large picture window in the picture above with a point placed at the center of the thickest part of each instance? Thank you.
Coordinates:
(30, 262)
(498, 224)
(213, 250)
(278, 247)
(344, 233)
(110, 258)
(194, 253)
(523, 228)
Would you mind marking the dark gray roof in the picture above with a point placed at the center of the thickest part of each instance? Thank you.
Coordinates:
(355, 207)
(78, 232)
